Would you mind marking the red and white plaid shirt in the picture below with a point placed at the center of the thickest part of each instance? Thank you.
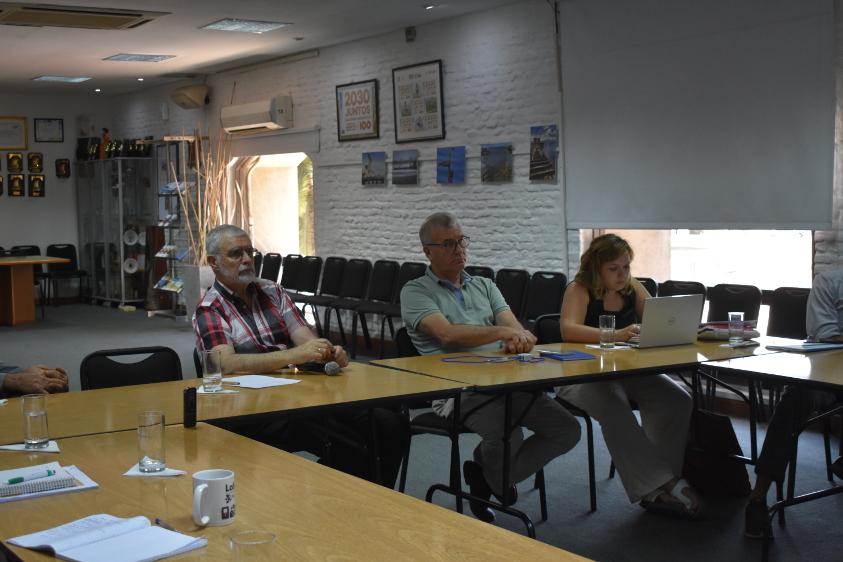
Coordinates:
(223, 318)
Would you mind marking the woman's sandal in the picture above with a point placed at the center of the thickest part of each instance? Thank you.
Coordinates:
(679, 502)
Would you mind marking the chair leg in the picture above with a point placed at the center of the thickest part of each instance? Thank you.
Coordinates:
(780, 497)
(402, 480)
(592, 487)
(612, 470)
(366, 337)
(539, 483)
(383, 333)
(827, 444)
(353, 347)
(456, 471)
(342, 330)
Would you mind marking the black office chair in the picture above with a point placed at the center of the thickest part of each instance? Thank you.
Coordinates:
(788, 307)
(726, 297)
(271, 266)
(257, 259)
(37, 271)
(329, 290)
(60, 271)
(544, 296)
(512, 283)
(307, 278)
(100, 370)
(381, 291)
(649, 284)
(481, 270)
(355, 284)
(547, 330)
(671, 288)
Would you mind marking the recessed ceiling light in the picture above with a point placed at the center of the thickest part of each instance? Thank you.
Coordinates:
(245, 26)
(138, 57)
(97, 90)
(430, 6)
(140, 79)
(72, 79)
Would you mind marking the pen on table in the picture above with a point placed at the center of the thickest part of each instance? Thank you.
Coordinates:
(28, 477)
(232, 383)
(163, 525)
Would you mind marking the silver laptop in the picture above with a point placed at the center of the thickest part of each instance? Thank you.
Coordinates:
(669, 321)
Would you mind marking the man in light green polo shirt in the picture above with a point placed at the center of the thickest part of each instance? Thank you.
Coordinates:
(446, 310)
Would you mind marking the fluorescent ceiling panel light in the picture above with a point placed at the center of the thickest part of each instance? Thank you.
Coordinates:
(137, 57)
(245, 26)
(72, 79)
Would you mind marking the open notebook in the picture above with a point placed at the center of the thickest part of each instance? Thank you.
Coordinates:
(64, 479)
(105, 538)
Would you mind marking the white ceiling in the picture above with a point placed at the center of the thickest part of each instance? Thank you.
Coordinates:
(32, 51)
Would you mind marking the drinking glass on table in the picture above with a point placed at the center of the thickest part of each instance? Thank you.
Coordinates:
(607, 331)
(253, 545)
(211, 371)
(735, 328)
(151, 456)
(34, 410)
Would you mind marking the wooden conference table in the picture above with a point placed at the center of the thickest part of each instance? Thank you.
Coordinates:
(17, 304)
(316, 513)
(88, 412)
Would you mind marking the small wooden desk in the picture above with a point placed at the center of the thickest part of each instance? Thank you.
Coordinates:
(115, 409)
(316, 513)
(17, 305)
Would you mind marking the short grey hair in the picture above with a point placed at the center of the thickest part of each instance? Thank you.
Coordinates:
(213, 240)
(436, 220)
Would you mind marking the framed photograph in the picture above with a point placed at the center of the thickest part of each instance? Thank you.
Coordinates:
(49, 130)
(405, 167)
(35, 162)
(418, 102)
(36, 185)
(13, 133)
(544, 146)
(14, 162)
(62, 168)
(496, 163)
(374, 168)
(357, 111)
(450, 165)
(16, 185)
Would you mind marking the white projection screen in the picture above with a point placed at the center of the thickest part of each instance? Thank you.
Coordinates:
(698, 114)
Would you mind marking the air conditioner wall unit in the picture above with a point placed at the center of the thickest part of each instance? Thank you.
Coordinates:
(266, 115)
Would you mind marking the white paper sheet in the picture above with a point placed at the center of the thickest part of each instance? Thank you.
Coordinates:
(259, 381)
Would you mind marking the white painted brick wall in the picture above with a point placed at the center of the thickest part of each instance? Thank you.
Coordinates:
(499, 79)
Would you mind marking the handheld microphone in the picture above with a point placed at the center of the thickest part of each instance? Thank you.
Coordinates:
(330, 368)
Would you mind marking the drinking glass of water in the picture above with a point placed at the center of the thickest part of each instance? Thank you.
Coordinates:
(212, 371)
(607, 331)
(151, 456)
(735, 328)
(34, 410)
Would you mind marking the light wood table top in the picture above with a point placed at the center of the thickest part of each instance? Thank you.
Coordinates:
(822, 369)
(115, 409)
(315, 512)
(30, 260)
(606, 364)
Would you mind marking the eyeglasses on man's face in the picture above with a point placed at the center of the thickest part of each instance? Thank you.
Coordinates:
(238, 252)
(451, 244)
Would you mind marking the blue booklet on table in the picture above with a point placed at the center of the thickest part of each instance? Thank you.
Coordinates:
(806, 347)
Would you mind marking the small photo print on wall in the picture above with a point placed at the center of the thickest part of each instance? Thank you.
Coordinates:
(62, 168)
(16, 187)
(450, 165)
(544, 146)
(496, 163)
(35, 162)
(374, 168)
(14, 162)
(36, 185)
(405, 167)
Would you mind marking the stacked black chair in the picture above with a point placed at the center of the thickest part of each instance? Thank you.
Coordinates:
(258, 261)
(512, 284)
(329, 290)
(788, 307)
(37, 270)
(649, 284)
(60, 271)
(100, 370)
(381, 291)
(481, 270)
(408, 271)
(544, 296)
(355, 283)
(671, 288)
(271, 266)
(307, 278)
(725, 298)
(547, 330)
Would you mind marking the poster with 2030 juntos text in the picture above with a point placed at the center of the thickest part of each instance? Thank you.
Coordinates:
(418, 102)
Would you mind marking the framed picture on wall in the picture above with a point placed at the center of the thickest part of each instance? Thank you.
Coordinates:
(62, 168)
(418, 102)
(16, 185)
(14, 162)
(357, 111)
(13, 133)
(49, 130)
(35, 162)
(36, 185)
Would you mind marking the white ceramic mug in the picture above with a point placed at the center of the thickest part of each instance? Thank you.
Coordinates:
(213, 497)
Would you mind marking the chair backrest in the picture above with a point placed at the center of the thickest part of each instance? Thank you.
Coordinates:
(332, 275)
(408, 271)
(355, 279)
(670, 288)
(547, 328)
(258, 261)
(725, 298)
(404, 345)
(512, 284)
(310, 268)
(544, 294)
(37, 269)
(271, 266)
(382, 284)
(290, 273)
(99, 370)
(480, 270)
(66, 251)
(788, 307)
(650, 284)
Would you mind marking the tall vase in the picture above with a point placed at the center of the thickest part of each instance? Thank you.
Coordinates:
(197, 280)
